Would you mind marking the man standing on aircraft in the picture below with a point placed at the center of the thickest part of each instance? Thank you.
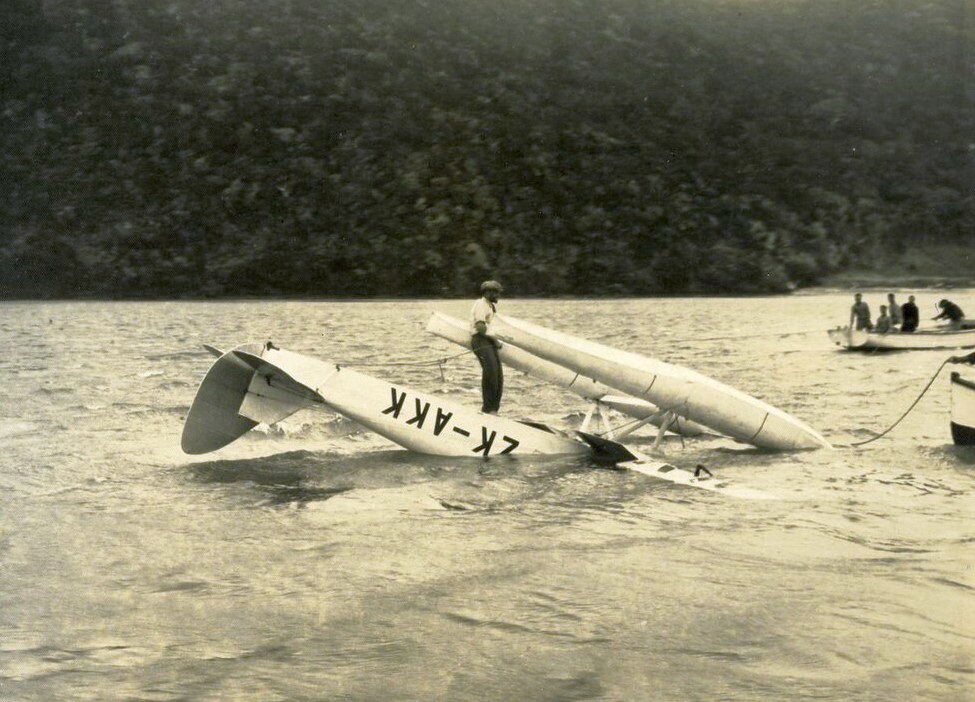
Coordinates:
(486, 346)
(909, 313)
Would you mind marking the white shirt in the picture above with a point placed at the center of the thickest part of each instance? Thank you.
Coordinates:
(482, 311)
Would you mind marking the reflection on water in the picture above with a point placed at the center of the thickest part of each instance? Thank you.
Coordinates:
(317, 561)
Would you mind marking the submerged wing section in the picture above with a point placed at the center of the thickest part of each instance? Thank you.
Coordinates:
(273, 395)
(681, 390)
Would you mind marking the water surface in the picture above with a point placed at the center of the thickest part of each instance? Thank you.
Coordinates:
(320, 562)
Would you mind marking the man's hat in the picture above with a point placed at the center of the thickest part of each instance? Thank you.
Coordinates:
(491, 285)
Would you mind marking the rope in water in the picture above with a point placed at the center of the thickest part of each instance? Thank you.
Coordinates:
(430, 362)
(907, 411)
(440, 362)
(732, 337)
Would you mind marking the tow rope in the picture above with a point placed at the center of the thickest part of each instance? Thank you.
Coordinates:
(440, 362)
(734, 337)
(906, 412)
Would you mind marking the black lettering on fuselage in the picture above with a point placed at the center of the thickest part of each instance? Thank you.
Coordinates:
(442, 420)
(397, 404)
(421, 414)
(512, 444)
(486, 442)
(440, 423)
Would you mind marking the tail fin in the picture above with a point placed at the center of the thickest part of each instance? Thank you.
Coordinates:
(239, 391)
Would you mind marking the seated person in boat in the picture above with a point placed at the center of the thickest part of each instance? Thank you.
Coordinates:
(909, 315)
(860, 313)
(894, 310)
(951, 312)
(883, 324)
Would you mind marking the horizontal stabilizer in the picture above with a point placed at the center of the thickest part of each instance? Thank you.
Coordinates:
(273, 375)
(268, 404)
(273, 395)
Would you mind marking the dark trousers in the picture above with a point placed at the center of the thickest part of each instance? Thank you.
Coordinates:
(492, 375)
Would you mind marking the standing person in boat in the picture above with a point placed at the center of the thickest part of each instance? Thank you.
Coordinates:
(860, 313)
(486, 346)
(883, 321)
(909, 315)
(894, 310)
(951, 312)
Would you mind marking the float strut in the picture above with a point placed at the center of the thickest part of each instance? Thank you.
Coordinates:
(665, 423)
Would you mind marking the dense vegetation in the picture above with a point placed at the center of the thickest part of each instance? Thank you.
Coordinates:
(335, 148)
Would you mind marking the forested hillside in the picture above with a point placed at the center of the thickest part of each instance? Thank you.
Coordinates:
(336, 148)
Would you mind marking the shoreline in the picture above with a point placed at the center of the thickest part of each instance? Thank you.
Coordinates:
(839, 284)
(938, 266)
(878, 282)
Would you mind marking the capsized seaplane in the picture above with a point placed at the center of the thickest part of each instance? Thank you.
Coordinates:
(261, 383)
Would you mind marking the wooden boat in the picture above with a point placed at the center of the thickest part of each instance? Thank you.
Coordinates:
(863, 340)
(962, 410)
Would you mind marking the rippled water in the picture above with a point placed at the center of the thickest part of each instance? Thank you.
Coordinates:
(319, 562)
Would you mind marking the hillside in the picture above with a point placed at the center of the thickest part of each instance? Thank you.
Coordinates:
(316, 147)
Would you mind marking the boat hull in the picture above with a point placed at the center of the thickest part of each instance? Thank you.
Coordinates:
(689, 394)
(864, 340)
(962, 410)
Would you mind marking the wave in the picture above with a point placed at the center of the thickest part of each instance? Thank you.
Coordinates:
(51, 391)
(173, 355)
(15, 427)
(332, 428)
(151, 374)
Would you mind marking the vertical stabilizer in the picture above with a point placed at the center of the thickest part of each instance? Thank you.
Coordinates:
(213, 420)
